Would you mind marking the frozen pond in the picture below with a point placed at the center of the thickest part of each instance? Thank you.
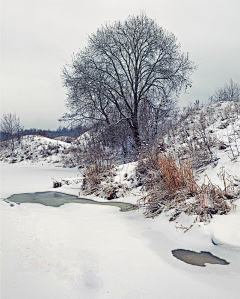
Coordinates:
(57, 199)
(85, 251)
(197, 259)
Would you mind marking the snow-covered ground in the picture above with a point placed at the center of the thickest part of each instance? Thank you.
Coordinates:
(89, 251)
(36, 149)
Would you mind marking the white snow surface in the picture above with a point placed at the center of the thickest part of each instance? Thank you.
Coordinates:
(90, 251)
(36, 149)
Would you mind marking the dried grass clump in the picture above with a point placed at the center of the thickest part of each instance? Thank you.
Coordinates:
(178, 191)
(112, 190)
(100, 182)
(94, 175)
(147, 168)
(176, 177)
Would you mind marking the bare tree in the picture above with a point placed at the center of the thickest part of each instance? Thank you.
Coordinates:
(229, 92)
(10, 129)
(128, 72)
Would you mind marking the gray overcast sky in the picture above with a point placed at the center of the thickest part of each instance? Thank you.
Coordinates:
(38, 36)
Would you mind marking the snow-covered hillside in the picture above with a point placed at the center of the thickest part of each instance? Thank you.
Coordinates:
(90, 251)
(208, 135)
(36, 149)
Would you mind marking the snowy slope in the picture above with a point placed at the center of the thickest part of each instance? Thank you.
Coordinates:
(36, 149)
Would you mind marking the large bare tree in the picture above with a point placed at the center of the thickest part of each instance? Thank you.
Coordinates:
(128, 72)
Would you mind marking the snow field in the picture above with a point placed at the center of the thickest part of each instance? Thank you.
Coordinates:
(90, 251)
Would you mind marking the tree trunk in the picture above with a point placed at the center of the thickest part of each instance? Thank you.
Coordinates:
(135, 129)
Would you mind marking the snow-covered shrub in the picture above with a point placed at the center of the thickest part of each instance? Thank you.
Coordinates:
(112, 190)
(94, 175)
(229, 92)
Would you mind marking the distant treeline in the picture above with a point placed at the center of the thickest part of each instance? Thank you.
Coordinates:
(61, 131)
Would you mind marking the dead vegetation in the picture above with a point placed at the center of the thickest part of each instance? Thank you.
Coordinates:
(100, 182)
(94, 175)
(188, 146)
(171, 186)
(98, 168)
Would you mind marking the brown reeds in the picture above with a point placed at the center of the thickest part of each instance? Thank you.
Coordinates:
(176, 177)
(175, 189)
